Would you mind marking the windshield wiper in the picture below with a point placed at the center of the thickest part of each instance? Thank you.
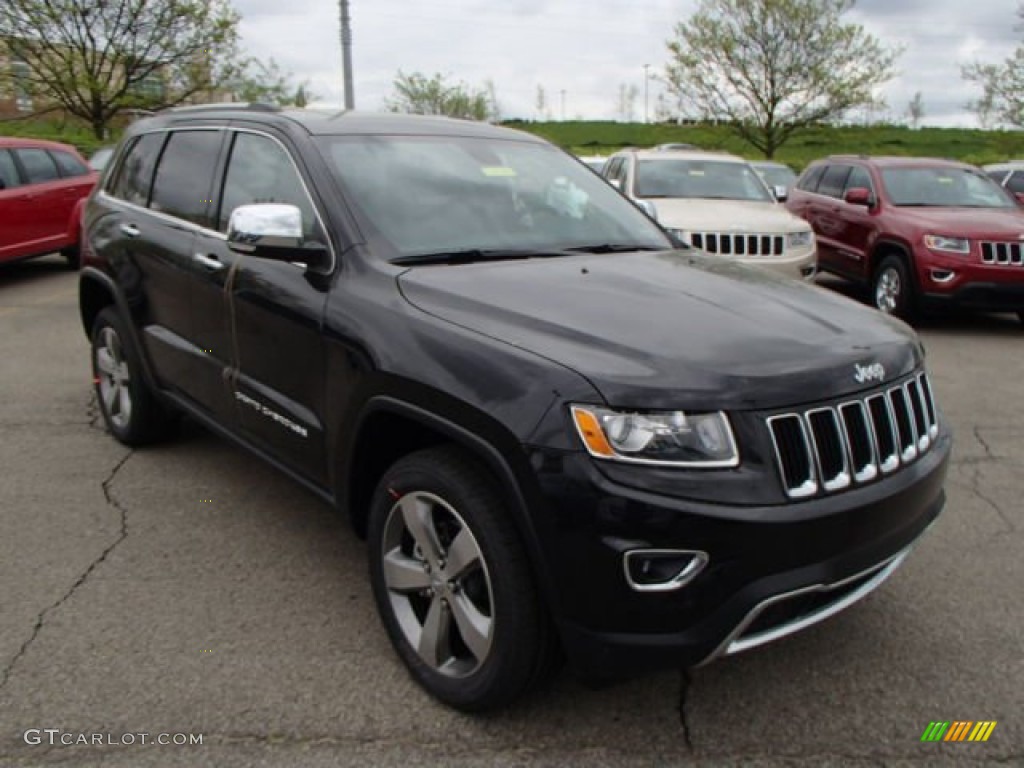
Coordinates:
(471, 255)
(614, 248)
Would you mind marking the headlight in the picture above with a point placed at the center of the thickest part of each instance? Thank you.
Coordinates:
(674, 438)
(799, 239)
(945, 244)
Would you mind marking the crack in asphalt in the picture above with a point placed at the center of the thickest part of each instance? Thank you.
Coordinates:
(684, 688)
(5, 675)
(975, 486)
(983, 443)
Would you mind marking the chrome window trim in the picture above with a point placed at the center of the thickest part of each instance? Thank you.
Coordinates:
(196, 228)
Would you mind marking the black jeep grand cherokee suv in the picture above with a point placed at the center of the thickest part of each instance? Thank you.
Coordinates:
(557, 431)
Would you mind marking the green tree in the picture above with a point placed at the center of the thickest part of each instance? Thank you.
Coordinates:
(1002, 88)
(418, 94)
(98, 58)
(266, 82)
(771, 68)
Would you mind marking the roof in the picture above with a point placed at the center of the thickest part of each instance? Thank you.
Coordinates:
(332, 122)
(686, 154)
(1009, 165)
(769, 164)
(16, 142)
(892, 161)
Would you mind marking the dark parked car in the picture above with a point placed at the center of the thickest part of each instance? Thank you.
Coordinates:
(921, 232)
(43, 187)
(555, 430)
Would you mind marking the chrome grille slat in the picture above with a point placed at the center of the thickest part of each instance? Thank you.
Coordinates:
(1003, 253)
(730, 244)
(832, 447)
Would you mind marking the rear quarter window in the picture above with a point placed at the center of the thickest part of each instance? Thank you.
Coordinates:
(134, 176)
(68, 164)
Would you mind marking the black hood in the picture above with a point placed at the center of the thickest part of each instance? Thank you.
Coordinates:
(672, 329)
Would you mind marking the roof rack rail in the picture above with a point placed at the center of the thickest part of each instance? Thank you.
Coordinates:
(245, 106)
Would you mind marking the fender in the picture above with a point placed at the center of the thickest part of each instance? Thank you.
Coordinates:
(91, 275)
(75, 222)
(510, 476)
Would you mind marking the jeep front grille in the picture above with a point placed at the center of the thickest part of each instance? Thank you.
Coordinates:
(829, 448)
(728, 244)
(1002, 253)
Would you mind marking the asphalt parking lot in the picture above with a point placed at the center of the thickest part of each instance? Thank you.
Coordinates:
(187, 589)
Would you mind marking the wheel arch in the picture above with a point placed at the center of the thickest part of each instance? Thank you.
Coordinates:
(372, 448)
(891, 247)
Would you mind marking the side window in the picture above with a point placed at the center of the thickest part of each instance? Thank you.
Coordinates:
(1016, 182)
(859, 177)
(135, 174)
(809, 181)
(68, 164)
(997, 176)
(184, 176)
(261, 171)
(833, 180)
(39, 166)
(8, 171)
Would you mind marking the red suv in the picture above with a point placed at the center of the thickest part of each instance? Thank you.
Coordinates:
(921, 232)
(43, 187)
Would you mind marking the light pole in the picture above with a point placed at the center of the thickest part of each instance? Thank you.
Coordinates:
(346, 53)
(646, 67)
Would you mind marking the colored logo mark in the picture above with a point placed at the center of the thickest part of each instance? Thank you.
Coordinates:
(959, 730)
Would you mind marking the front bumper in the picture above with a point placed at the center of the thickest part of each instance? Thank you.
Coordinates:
(982, 296)
(772, 570)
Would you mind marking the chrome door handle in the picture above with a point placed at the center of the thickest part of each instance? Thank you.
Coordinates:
(130, 230)
(209, 262)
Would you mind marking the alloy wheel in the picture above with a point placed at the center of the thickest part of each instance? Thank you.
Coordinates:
(438, 584)
(113, 378)
(888, 291)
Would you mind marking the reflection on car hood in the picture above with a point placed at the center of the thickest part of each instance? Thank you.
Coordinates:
(727, 216)
(966, 222)
(671, 329)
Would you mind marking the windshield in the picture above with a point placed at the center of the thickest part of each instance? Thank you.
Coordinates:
(671, 177)
(944, 187)
(775, 176)
(420, 195)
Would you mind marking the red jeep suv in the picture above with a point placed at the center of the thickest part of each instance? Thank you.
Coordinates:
(921, 232)
(43, 186)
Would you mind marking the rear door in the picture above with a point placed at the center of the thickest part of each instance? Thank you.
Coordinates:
(823, 211)
(45, 220)
(15, 209)
(857, 225)
(77, 181)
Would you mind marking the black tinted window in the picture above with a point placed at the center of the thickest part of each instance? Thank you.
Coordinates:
(38, 165)
(8, 171)
(69, 165)
(1016, 182)
(859, 177)
(260, 171)
(184, 177)
(135, 175)
(833, 180)
(809, 181)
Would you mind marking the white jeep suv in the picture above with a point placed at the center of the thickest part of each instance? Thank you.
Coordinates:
(718, 203)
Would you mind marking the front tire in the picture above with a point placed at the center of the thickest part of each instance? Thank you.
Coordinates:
(453, 584)
(892, 289)
(131, 412)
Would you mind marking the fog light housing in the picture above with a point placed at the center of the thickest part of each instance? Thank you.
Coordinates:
(942, 275)
(662, 570)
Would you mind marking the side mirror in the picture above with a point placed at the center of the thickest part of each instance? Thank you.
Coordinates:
(1019, 196)
(781, 192)
(647, 207)
(273, 231)
(859, 196)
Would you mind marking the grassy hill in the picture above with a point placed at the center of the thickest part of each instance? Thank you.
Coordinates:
(602, 138)
(968, 145)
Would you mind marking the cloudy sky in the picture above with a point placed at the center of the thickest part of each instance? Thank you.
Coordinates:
(582, 50)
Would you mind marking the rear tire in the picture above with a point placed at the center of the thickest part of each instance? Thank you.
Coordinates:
(453, 585)
(131, 412)
(892, 289)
